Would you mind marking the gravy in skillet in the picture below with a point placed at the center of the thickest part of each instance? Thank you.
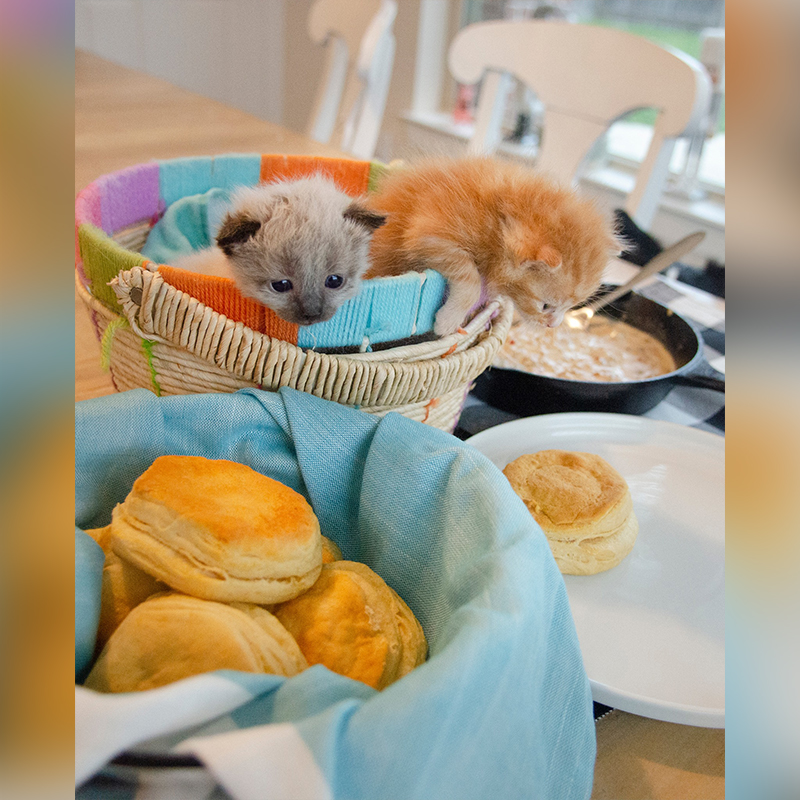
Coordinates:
(606, 350)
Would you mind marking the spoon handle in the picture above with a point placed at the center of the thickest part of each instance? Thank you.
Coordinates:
(655, 264)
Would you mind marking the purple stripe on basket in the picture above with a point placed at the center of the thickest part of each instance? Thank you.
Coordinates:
(484, 299)
(129, 196)
(88, 206)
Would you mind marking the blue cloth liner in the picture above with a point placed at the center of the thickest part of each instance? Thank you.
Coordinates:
(89, 560)
(188, 224)
(503, 707)
(385, 310)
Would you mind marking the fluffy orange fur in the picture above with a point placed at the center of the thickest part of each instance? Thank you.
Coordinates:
(484, 223)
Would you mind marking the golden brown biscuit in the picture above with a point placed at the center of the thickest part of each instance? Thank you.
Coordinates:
(172, 636)
(124, 586)
(330, 551)
(218, 530)
(415, 645)
(582, 504)
(351, 622)
(100, 535)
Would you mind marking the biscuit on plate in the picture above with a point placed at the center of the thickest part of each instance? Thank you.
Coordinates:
(355, 625)
(171, 636)
(582, 504)
(218, 530)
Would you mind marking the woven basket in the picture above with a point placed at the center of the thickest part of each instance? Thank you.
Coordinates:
(156, 336)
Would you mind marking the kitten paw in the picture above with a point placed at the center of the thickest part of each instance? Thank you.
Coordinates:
(448, 320)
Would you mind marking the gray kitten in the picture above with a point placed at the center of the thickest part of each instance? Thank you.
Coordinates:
(299, 247)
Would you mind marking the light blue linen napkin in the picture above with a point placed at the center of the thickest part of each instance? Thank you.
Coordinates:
(502, 707)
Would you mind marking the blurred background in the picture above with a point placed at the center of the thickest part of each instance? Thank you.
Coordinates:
(206, 45)
(272, 68)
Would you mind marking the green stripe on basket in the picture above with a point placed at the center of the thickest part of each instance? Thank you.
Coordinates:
(103, 259)
(376, 171)
(147, 346)
(108, 338)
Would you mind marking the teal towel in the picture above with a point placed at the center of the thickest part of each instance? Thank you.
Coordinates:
(188, 224)
(89, 560)
(502, 708)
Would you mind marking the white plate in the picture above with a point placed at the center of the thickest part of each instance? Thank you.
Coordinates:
(651, 629)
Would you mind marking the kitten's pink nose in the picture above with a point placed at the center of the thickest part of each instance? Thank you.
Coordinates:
(554, 320)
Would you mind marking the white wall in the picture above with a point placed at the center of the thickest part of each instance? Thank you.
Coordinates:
(255, 55)
(230, 50)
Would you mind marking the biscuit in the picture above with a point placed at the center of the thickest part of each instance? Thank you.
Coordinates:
(352, 622)
(330, 551)
(582, 504)
(218, 530)
(172, 636)
(414, 644)
(100, 535)
(123, 587)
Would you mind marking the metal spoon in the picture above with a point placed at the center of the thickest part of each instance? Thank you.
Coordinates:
(579, 317)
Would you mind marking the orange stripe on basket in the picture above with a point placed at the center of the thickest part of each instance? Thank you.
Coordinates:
(432, 403)
(222, 295)
(351, 176)
(450, 351)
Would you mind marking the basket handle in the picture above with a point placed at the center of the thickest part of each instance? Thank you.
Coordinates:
(134, 288)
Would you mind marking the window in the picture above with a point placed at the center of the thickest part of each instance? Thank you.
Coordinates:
(694, 26)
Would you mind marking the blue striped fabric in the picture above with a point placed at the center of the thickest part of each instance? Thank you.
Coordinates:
(236, 169)
(182, 177)
(89, 560)
(187, 225)
(385, 310)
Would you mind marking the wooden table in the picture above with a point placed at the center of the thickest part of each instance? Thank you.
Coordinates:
(122, 118)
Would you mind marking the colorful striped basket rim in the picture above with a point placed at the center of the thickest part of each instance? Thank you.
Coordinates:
(135, 198)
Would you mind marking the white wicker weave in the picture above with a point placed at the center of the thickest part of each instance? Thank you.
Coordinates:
(173, 344)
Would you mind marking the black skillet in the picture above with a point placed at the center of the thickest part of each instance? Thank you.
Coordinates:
(527, 394)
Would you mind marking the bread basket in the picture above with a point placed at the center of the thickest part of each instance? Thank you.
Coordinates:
(166, 336)
(501, 708)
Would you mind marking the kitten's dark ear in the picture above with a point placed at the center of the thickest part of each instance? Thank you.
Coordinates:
(235, 229)
(370, 220)
(619, 245)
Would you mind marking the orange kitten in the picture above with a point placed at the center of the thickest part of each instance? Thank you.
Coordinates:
(489, 225)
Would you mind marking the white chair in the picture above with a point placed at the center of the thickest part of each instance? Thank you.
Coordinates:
(586, 77)
(360, 49)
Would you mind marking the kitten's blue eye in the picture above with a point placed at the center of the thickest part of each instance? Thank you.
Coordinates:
(546, 306)
(282, 286)
(334, 281)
